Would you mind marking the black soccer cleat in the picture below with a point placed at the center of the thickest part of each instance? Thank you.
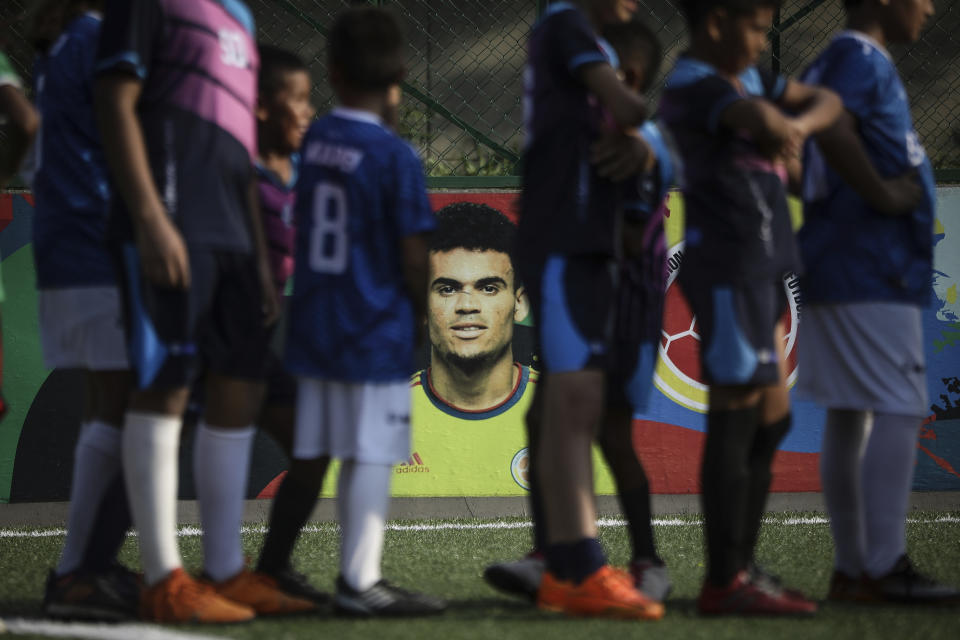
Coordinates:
(90, 596)
(907, 585)
(383, 600)
(294, 583)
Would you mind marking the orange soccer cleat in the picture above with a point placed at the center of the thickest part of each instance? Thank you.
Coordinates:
(180, 598)
(261, 593)
(606, 593)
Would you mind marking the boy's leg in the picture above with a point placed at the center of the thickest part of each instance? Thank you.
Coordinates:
(299, 491)
(841, 458)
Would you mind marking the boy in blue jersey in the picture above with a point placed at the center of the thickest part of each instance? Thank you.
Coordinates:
(867, 241)
(80, 320)
(569, 234)
(725, 115)
(176, 101)
(635, 50)
(358, 303)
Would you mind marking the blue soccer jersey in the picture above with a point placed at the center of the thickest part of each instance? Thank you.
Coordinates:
(852, 252)
(198, 62)
(71, 188)
(565, 206)
(361, 190)
(738, 225)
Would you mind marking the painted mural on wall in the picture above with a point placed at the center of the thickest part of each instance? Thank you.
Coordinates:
(38, 434)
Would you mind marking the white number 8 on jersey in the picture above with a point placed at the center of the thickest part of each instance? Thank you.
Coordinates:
(329, 240)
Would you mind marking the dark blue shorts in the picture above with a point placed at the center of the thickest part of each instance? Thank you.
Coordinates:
(215, 325)
(737, 330)
(593, 312)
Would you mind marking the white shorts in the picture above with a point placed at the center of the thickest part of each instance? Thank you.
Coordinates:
(365, 422)
(863, 356)
(82, 328)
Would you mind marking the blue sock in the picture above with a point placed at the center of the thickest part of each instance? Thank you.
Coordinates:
(575, 561)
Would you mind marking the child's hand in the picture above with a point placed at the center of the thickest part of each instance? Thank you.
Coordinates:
(271, 295)
(900, 195)
(618, 156)
(163, 253)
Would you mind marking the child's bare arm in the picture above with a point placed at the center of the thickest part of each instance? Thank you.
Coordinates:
(271, 296)
(766, 125)
(627, 107)
(163, 253)
(816, 107)
(844, 152)
(415, 256)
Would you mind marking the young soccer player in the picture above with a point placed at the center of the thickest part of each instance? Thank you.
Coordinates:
(358, 299)
(176, 101)
(861, 339)
(569, 242)
(725, 115)
(636, 52)
(80, 319)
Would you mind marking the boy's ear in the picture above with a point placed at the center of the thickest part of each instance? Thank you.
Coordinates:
(714, 24)
(261, 112)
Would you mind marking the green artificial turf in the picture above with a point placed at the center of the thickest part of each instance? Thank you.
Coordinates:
(449, 562)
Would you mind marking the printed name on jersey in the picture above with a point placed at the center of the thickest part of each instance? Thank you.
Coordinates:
(233, 50)
(346, 159)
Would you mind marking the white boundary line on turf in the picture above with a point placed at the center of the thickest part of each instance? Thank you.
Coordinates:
(96, 631)
(192, 531)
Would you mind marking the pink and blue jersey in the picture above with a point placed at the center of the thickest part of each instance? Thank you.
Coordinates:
(276, 210)
(361, 190)
(71, 187)
(854, 253)
(198, 62)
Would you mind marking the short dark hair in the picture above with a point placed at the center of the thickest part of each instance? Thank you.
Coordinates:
(635, 38)
(696, 10)
(275, 62)
(475, 227)
(366, 46)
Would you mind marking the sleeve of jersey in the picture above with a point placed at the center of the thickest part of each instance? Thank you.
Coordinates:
(127, 36)
(414, 214)
(573, 42)
(774, 84)
(850, 70)
(707, 98)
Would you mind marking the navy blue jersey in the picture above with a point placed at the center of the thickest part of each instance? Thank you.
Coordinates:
(361, 190)
(737, 221)
(565, 206)
(852, 252)
(71, 187)
(198, 62)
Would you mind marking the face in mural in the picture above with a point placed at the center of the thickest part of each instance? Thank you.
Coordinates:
(472, 305)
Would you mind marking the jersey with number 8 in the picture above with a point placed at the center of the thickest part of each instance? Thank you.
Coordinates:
(361, 191)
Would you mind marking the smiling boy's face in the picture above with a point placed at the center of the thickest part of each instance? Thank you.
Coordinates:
(741, 38)
(903, 20)
(290, 111)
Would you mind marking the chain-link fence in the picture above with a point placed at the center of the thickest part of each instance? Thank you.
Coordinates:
(463, 108)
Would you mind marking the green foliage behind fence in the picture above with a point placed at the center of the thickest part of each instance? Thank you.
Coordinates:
(464, 107)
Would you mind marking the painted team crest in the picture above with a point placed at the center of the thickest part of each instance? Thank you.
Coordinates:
(678, 373)
(520, 468)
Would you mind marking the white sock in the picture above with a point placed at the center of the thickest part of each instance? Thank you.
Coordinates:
(221, 461)
(150, 445)
(96, 463)
(844, 443)
(363, 497)
(887, 480)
